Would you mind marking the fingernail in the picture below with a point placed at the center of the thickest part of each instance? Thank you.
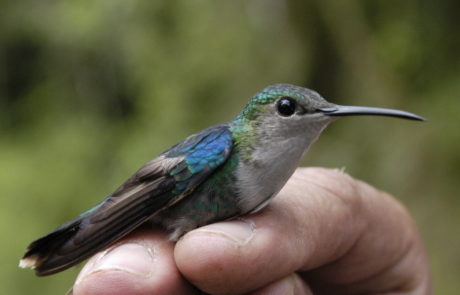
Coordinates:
(133, 258)
(240, 231)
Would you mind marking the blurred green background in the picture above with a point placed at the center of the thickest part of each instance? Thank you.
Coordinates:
(90, 90)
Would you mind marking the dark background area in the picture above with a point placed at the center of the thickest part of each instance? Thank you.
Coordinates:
(90, 90)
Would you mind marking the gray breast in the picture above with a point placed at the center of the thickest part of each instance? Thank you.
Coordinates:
(279, 147)
(270, 167)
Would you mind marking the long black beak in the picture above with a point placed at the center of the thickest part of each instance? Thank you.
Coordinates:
(339, 110)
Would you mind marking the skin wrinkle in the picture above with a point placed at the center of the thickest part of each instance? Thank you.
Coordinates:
(218, 270)
(300, 237)
(408, 283)
(337, 265)
(271, 238)
(306, 231)
(401, 284)
(399, 287)
(350, 208)
(408, 245)
(408, 242)
(352, 200)
(299, 241)
(307, 274)
(136, 241)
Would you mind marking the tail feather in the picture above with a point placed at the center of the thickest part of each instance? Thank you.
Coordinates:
(99, 227)
(77, 240)
(64, 247)
(41, 249)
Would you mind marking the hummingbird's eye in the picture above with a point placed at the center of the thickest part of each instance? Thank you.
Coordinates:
(286, 106)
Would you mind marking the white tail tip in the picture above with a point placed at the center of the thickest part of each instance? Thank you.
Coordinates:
(29, 262)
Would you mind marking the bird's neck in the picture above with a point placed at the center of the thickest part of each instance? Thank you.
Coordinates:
(263, 166)
(268, 155)
(260, 143)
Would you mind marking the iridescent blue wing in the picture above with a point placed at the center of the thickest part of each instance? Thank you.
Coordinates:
(157, 185)
(186, 164)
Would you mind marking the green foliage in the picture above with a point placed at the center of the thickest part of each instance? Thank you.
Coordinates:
(90, 90)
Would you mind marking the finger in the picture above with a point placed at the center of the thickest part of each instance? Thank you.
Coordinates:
(318, 218)
(290, 285)
(142, 263)
(388, 255)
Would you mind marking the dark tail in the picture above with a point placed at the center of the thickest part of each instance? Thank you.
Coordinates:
(116, 216)
(77, 240)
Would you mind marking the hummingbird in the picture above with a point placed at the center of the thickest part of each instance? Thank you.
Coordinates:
(222, 172)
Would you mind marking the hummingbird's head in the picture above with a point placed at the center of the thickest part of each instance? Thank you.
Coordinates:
(284, 110)
(284, 101)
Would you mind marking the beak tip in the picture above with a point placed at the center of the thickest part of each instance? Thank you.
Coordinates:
(422, 119)
(413, 117)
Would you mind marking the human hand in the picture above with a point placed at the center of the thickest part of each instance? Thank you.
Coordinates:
(325, 233)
